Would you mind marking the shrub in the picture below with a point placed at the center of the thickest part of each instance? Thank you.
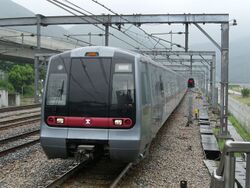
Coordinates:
(245, 92)
(7, 86)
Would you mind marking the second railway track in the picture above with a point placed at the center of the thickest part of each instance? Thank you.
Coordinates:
(15, 138)
(19, 122)
(11, 144)
(19, 136)
(14, 119)
(15, 108)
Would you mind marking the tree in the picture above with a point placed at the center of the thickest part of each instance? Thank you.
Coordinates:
(6, 65)
(6, 86)
(21, 77)
(245, 92)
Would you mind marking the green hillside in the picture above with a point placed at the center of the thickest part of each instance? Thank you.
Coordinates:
(10, 9)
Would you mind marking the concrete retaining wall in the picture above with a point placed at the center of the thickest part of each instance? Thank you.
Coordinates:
(9, 99)
(3, 98)
(240, 111)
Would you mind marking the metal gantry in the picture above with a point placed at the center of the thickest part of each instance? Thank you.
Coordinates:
(139, 19)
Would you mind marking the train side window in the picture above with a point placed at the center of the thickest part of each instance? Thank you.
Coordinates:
(161, 84)
(145, 84)
(153, 84)
(57, 89)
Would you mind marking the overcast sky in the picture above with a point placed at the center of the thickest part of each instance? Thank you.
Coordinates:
(234, 7)
(237, 9)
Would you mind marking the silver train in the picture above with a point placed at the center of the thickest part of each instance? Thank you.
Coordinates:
(106, 98)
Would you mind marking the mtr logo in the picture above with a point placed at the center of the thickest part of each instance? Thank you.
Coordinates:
(87, 122)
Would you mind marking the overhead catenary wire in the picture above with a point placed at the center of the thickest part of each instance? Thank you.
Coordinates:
(51, 1)
(68, 36)
(100, 22)
(124, 32)
(58, 5)
(104, 23)
(149, 35)
(125, 20)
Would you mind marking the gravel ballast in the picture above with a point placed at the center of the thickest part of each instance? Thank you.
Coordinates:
(32, 170)
(19, 130)
(175, 155)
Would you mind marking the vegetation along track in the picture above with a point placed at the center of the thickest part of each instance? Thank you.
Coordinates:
(92, 173)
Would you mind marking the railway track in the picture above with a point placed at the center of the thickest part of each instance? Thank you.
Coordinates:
(19, 136)
(18, 122)
(15, 108)
(17, 118)
(11, 144)
(5, 115)
(103, 173)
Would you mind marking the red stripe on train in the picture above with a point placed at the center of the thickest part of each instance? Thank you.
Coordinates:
(88, 122)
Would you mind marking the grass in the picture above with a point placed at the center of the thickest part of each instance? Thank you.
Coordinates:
(221, 142)
(242, 132)
(235, 87)
(27, 100)
(239, 129)
(244, 100)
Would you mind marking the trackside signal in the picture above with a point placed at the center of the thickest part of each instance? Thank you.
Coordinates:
(191, 83)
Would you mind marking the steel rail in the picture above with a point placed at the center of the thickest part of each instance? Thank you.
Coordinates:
(12, 149)
(22, 135)
(35, 115)
(61, 179)
(14, 108)
(121, 175)
(5, 117)
(19, 124)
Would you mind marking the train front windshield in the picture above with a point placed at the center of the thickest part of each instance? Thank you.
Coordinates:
(91, 87)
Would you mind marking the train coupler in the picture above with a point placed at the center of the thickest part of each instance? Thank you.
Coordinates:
(84, 152)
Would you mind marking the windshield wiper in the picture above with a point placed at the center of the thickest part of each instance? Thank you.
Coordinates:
(60, 91)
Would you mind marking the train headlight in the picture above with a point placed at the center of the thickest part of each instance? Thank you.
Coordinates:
(59, 120)
(118, 122)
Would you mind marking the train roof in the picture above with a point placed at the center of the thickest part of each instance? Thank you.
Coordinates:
(103, 51)
(107, 51)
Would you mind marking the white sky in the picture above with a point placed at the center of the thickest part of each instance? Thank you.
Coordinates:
(234, 7)
(237, 9)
